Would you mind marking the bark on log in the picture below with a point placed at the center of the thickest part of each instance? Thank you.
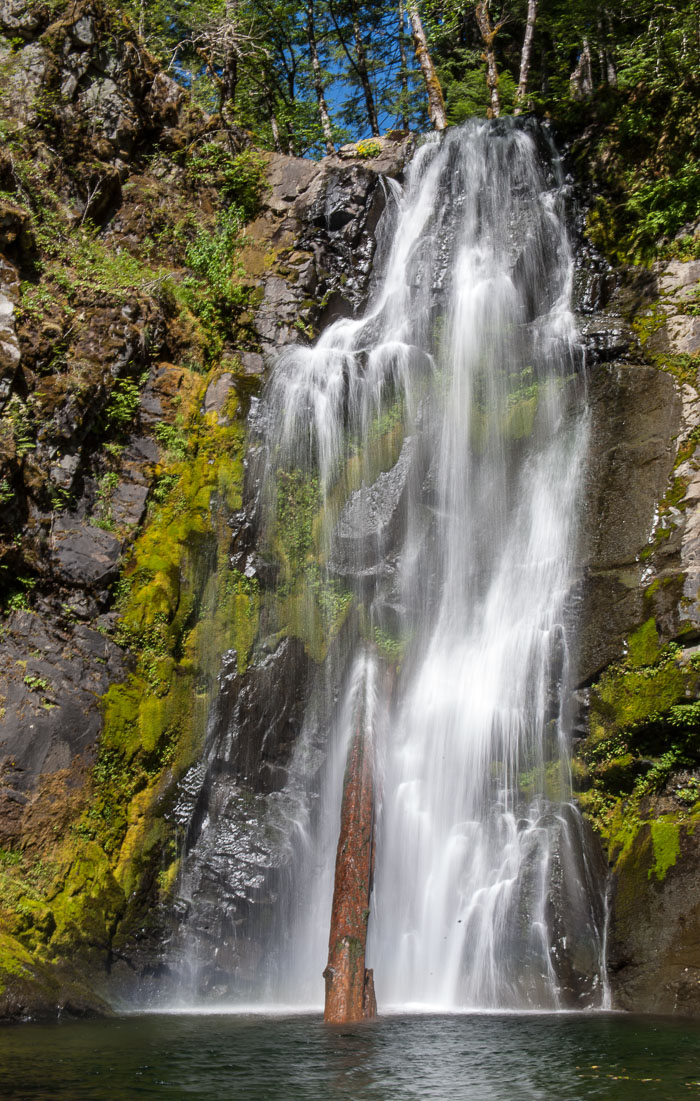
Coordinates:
(526, 56)
(349, 984)
(436, 103)
(318, 78)
(488, 33)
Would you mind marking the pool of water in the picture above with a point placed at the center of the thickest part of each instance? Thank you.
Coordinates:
(491, 1057)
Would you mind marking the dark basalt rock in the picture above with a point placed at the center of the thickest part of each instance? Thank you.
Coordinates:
(654, 955)
(258, 716)
(50, 678)
(326, 217)
(576, 909)
(369, 526)
(83, 553)
(635, 415)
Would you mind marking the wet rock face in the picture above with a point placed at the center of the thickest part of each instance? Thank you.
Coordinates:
(258, 716)
(635, 415)
(370, 525)
(576, 899)
(321, 219)
(642, 548)
(654, 955)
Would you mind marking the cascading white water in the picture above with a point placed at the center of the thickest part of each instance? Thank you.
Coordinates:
(439, 443)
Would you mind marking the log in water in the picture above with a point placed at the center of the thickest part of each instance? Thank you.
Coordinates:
(349, 984)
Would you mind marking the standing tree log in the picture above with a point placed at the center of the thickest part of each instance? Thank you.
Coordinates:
(526, 56)
(349, 985)
(436, 102)
(318, 78)
(488, 33)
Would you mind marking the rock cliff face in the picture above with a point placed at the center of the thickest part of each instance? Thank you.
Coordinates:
(128, 360)
(637, 761)
(137, 321)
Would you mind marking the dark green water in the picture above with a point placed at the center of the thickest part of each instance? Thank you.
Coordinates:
(456, 1058)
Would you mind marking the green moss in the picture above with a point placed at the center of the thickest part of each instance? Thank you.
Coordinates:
(618, 774)
(625, 698)
(665, 837)
(683, 367)
(14, 959)
(644, 725)
(181, 606)
(178, 616)
(90, 902)
(631, 851)
(390, 647)
(551, 778)
(647, 324)
(643, 646)
(687, 447)
(513, 416)
(520, 420)
(298, 499)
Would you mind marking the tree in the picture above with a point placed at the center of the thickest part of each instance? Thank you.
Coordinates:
(436, 103)
(526, 56)
(347, 21)
(488, 33)
(318, 76)
(225, 44)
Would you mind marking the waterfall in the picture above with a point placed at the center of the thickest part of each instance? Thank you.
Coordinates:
(422, 467)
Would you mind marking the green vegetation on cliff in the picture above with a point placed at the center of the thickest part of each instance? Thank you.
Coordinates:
(634, 768)
(129, 307)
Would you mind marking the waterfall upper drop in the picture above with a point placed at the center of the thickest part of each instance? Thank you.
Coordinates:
(419, 475)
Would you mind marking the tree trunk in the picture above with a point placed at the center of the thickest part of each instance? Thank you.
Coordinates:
(403, 71)
(610, 66)
(436, 102)
(526, 56)
(581, 80)
(275, 132)
(318, 79)
(363, 73)
(488, 33)
(349, 984)
(229, 67)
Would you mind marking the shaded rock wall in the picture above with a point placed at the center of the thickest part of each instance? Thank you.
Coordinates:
(638, 762)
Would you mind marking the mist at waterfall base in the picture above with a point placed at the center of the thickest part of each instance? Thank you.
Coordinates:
(440, 443)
